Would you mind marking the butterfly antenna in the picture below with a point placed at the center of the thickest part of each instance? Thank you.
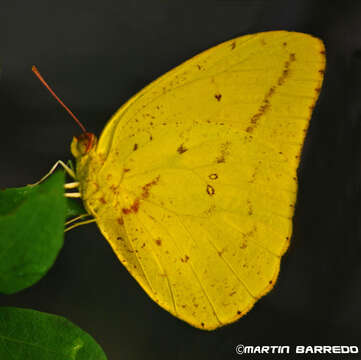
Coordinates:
(37, 73)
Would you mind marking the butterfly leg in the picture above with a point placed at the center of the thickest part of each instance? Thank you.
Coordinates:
(67, 169)
(73, 195)
(79, 223)
(77, 218)
(71, 185)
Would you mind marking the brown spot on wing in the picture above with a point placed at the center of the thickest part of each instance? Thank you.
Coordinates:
(135, 147)
(210, 190)
(213, 176)
(266, 105)
(133, 208)
(246, 237)
(250, 207)
(182, 149)
(254, 174)
(233, 45)
(114, 189)
(218, 96)
(147, 187)
(158, 241)
(145, 193)
(224, 152)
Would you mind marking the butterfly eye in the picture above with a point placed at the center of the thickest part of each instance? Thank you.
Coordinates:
(85, 142)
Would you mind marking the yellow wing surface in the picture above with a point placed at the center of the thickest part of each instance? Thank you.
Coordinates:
(193, 181)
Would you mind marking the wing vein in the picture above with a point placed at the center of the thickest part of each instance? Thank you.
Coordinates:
(231, 223)
(189, 262)
(162, 80)
(226, 262)
(139, 262)
(161, 266)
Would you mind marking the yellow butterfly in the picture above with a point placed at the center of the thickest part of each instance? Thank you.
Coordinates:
(193, 180)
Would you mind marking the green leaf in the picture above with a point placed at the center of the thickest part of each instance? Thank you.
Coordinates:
(31, 232)
(33, 335)
(74, 207)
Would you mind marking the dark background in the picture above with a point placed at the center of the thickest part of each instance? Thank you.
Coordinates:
(97, 54)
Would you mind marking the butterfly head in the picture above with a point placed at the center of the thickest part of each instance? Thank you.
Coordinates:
(83, 144)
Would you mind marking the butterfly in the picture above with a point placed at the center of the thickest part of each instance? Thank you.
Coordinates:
(193, 181)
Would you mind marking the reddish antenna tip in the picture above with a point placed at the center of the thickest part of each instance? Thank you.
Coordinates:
(37, 73)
